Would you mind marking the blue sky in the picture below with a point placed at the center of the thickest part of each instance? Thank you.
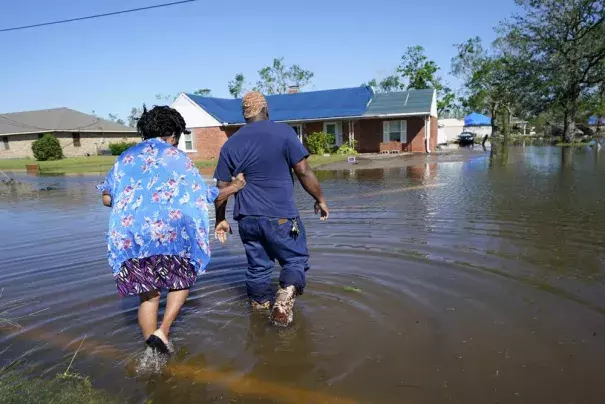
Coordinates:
(112, 64)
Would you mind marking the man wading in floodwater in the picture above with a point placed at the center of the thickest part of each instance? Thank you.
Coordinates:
(269, 226)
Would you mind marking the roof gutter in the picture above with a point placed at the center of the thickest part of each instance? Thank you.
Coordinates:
(67, 131)
(374, 116)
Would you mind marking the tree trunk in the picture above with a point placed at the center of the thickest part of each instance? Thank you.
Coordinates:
(569, 128)
(495, 129)
(566, 157)
(571, 109)
(506, 123)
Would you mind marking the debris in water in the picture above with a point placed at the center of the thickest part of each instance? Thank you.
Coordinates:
(351, 289)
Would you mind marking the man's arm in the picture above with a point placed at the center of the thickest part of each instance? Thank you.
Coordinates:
(310, 183)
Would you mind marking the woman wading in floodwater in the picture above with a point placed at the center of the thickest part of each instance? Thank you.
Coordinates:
(158, 226)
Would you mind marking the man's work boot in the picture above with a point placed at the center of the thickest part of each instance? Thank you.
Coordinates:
(283, 308)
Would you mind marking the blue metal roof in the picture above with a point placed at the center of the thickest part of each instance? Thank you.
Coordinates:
(476, 119)
(340, 103)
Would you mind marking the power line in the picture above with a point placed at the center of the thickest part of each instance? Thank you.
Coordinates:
(90, 17)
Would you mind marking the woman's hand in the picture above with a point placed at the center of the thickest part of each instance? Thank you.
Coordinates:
(238, 182)
(107, 200)
(221, 230)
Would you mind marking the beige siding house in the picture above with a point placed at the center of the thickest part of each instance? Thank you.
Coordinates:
(79, 134)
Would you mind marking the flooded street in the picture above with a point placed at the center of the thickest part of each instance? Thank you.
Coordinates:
(451, 280)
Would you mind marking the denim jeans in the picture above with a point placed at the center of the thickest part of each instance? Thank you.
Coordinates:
(267, 240)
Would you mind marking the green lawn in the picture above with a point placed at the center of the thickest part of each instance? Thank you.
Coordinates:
(17, 388)
(101, 164)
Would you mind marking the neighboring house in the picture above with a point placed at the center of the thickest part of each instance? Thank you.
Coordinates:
(79, 134)
(409, 117)
(449, 130)
(478, 124)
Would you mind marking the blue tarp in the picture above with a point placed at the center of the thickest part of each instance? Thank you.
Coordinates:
(593, 121)
(476, 119)
(340, 103)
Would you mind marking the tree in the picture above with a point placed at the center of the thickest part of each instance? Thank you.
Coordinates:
(163, 97)
(135, 114)
(236, 86)
(278, 77)
(204, 92)
(388, 84)
(562, 43)
(490, 80)
(593, 105)
(417, 72)
(421, 73)
(273, 79)
(116, 119)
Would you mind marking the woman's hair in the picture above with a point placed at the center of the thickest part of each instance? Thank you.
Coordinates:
(161, 121)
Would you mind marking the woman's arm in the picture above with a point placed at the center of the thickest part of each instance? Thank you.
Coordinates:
(225, 192)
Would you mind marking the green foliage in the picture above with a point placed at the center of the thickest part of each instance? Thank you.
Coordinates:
(388, 84)
(417, 72)
(273, 79)
(320, 142)
(16, 388)
(492, 82)
(163, 97)
(47, 148)
(559, 45)
(135, 114)
(116, 119)
(204, 92)
(347, 149)
(236, 86)
(278, 77)
(119, 148)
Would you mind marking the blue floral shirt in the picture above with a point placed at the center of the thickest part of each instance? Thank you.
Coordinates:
(159, 206)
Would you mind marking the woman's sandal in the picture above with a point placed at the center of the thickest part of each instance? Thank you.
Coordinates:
(156, 343)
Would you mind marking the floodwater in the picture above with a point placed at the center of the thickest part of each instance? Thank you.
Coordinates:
(453, 280)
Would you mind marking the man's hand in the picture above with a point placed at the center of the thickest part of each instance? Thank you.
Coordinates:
(221, 230)
(321, 208)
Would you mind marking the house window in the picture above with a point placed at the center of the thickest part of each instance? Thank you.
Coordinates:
(334, 129)
(298, 129)
(76, 139)
(188, 141)
(5, 142)
(395, 131)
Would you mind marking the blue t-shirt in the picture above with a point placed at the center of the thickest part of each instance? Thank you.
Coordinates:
(265, 152)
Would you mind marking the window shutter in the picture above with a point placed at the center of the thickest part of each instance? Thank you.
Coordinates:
(404, 131)
(385, 131)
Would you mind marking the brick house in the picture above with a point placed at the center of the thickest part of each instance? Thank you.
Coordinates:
(79, 134)
(403, 121)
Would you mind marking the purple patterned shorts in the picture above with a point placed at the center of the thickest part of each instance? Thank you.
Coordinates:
(158, 272)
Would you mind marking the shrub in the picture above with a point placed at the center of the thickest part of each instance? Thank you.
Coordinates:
(121, 147)
(320, 142)
(347, 149)
(47, 148)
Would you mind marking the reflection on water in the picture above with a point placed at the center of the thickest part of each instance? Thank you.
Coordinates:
(465, 280)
